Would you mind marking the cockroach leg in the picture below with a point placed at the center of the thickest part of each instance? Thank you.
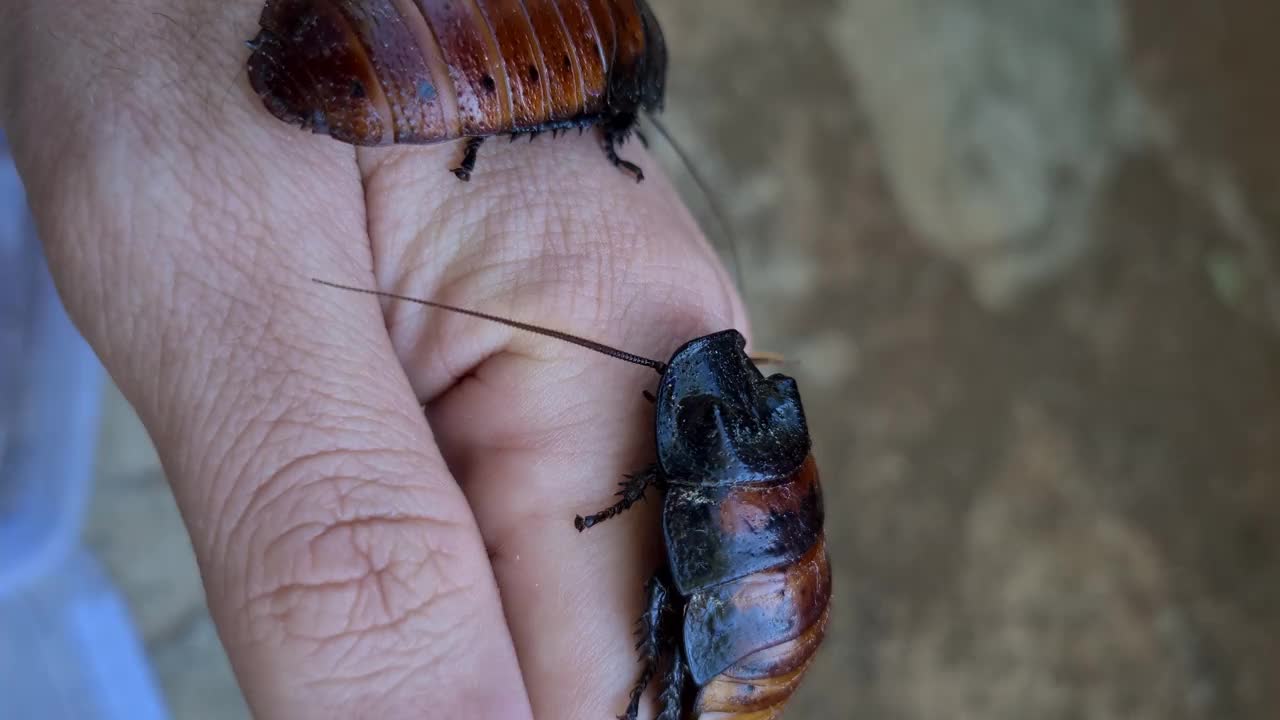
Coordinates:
(643, 140)
(653, 399)
(673, 691)
(632, 491)
(614, 135)
(652, 624)
(637, 692)
(468, 166)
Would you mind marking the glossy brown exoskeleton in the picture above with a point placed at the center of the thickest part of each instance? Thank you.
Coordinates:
(742, 604)
(378, 72)
(737, 612)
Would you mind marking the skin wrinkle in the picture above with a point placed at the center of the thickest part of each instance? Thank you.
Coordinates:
(370, 582)
(366, 577)
(606, 274)
(371, 632)
(543, 269)
(377, 677)
(291, 405)
(300, 465)
(261, 500)
(309, 482)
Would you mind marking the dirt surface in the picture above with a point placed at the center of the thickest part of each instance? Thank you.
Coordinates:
(1059, 504)
(1043, 376)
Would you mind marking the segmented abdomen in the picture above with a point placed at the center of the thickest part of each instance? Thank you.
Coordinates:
(375, 72)
(749, 637)
(758, 686)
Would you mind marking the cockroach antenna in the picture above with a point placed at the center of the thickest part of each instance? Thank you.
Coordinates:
(659, 367)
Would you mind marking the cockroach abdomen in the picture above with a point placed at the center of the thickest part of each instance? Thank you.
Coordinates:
(360, 65)
(305, 66)
(377, 72)
(725, 624)
(715, 534)
(759, 685)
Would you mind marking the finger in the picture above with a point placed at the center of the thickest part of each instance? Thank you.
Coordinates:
(343, 566)
(538, 431)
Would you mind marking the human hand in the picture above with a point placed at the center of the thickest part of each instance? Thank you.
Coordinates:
(361, 560)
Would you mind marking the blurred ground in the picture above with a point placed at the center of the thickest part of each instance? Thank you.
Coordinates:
(1021, 255)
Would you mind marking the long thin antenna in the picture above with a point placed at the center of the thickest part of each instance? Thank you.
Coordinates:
(705, 189)
(603, 349)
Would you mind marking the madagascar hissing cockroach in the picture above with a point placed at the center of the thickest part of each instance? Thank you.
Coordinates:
(378, 72)
(736, 613)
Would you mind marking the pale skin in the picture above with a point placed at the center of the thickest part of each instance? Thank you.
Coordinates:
(362, 558)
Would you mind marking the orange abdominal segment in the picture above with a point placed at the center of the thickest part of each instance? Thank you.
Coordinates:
(759, 685)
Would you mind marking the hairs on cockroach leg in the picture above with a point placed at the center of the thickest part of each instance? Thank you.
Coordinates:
(673, 692)
(656, 365)
(652, 630)
(632, 492)
(721, 217)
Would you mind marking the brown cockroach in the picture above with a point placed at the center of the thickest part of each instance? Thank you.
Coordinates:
(378, 72)
(738, 610)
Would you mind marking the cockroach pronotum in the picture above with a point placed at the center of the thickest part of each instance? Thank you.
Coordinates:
(378, 72)
(739, 608)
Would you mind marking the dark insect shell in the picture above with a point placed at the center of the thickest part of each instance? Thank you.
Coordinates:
(741, 606)
(743, 523)
(378, 72)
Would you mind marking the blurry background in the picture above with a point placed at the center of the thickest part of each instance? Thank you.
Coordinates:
(1021, 255)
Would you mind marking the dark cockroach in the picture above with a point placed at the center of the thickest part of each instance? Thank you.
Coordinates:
(377, 72)
(737, 612)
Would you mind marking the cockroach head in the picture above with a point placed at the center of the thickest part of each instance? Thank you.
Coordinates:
(721, 421)
(310, 72)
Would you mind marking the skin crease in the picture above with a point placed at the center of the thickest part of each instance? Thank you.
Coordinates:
(362, 560)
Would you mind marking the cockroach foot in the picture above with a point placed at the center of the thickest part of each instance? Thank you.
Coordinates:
(468, 166)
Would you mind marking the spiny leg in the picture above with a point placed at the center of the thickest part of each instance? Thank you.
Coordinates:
(672, 696)
(468, 166)
(615, 134)
(632, 491)
(651, 642)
